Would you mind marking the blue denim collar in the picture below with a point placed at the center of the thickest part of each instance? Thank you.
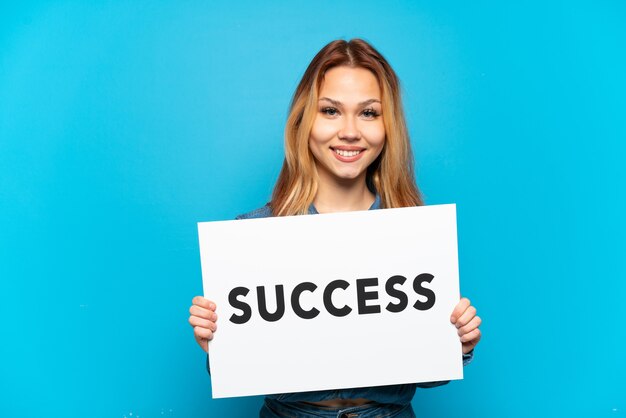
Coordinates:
(375, 205)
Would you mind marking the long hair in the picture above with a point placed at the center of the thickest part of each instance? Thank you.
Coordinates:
(391, 175)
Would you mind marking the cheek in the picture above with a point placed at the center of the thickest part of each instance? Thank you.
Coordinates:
(376, 135)
(322, 131)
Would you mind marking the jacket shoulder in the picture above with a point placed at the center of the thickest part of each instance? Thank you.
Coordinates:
(263, 212)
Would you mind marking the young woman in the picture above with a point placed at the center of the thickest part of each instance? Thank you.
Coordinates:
(346, 148)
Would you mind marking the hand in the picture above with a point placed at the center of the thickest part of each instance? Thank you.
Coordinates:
(202, 318)
(465, 319)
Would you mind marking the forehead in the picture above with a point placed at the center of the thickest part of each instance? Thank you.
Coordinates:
(348, 82)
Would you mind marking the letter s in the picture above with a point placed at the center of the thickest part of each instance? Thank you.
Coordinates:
(420, 290)
(403, 300)
(238, 304)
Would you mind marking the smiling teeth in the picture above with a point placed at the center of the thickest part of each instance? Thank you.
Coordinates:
(347, 153)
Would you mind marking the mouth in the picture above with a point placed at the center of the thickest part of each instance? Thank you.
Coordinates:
(347, 154)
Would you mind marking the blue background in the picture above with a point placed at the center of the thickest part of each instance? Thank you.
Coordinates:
(122, 124)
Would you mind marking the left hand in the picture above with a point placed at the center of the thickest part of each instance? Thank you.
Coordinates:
(465, 319)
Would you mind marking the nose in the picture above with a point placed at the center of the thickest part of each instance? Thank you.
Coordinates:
(349, 130)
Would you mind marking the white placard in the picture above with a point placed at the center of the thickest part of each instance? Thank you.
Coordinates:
(347, 256)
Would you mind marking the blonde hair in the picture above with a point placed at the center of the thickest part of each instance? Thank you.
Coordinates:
(391, 175)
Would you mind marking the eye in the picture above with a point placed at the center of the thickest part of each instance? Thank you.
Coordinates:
(330, 111)
(370, 113)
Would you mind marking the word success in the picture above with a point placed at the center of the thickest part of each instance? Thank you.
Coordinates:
(364, 294)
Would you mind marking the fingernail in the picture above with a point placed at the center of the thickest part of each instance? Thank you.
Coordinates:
(211, 306)
(452, 319)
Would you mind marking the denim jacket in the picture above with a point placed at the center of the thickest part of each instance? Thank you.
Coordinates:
(391, 394)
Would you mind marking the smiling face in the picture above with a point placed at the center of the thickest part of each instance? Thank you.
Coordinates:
(348, 132)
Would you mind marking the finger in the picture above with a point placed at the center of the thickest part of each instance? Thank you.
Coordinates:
(203, 302)
(470, 336)
(203, 343)
(463, 304)
(196, 310)
(205, 333)
(471, 326)
(466, 317)
(469, 346)
(204, 323)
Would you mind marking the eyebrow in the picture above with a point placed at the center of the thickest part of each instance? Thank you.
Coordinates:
(339, 104)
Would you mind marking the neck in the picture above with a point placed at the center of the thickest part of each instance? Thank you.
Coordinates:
(342, 196)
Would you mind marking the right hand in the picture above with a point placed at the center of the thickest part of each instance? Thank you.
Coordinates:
(202, 318)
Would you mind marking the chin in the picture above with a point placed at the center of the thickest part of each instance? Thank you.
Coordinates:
(342, 174)
(348, 176)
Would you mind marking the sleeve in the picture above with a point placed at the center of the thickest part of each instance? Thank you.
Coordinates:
(432, 384)
(467, 358)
